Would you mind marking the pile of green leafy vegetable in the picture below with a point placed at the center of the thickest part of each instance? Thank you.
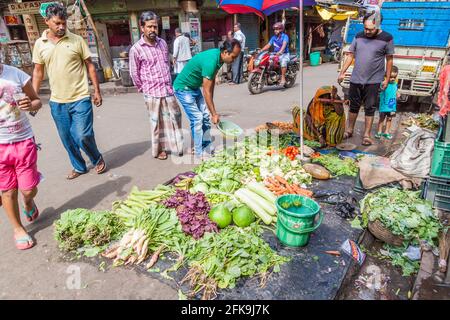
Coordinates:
(338, 166)
(403, 212)
(88, 231)
(222, 178)
(219, 260)
(284, 140)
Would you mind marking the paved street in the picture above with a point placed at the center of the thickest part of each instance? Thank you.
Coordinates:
(122, 132)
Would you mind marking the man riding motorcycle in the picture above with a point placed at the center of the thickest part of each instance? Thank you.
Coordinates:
(280, 43)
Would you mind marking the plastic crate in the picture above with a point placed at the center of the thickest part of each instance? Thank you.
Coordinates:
(440, 165)
(438, 192)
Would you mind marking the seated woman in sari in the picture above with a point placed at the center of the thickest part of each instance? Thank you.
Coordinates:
(324, 120)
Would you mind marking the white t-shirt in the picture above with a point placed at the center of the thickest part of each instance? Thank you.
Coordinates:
(239, 36)
(14, 124)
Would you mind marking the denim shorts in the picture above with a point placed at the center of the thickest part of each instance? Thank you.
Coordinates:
(284, 60)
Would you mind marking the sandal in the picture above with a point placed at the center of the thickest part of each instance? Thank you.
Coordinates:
(162, 156)
(379, 135)
(24, 243)
(348, 135)
(31, 215)
(73, 175)
(101, 167)
(387, 136)
(367, 141)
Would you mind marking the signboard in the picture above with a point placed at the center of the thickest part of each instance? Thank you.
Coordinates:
(194, 27)
(166, 23)
(12, 20)
(25, 7)
(32, 29)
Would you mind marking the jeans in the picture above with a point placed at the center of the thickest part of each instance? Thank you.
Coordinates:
(74, 122)
(197, 112)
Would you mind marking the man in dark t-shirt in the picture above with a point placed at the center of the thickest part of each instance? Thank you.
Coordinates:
(370, 49)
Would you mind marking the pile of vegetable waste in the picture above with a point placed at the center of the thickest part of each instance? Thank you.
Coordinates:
(422, 120)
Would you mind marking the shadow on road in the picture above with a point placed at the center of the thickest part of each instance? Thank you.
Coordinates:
(88, 200)
(120, 156)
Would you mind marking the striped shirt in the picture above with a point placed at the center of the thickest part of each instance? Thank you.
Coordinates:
(150, 69)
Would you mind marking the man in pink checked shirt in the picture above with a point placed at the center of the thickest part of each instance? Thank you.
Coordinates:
(150, 71)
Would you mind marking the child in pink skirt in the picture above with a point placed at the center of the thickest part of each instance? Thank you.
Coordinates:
(18, 151)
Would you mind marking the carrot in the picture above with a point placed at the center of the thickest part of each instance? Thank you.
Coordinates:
(305, 193)
(272, 181)
(281, 180)
(289, 189)
(334, 253)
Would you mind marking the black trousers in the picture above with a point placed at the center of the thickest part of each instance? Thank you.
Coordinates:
(364, 94)
(236, 68)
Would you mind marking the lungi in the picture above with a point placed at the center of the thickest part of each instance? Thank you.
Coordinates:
(165, 122)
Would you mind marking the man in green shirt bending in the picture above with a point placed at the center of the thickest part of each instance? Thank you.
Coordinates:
(201, 71)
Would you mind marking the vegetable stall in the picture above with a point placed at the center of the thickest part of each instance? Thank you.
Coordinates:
(212, 232)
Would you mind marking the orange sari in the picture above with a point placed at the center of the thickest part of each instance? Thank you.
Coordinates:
(323, 117)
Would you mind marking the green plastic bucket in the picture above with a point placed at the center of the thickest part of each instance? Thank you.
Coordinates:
(314, 58)
(296, 223)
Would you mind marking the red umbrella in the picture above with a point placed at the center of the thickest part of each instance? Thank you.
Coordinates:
(260, 7)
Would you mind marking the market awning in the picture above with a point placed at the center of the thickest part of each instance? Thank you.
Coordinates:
(260, 7)
(334, 13)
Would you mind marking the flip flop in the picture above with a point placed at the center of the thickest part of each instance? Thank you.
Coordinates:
(73, 175)
(24, 243)
(32, 215)
(348, 135)
(367, 142)
(101, 167)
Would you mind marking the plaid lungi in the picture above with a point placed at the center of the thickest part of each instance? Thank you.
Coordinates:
(165, 122)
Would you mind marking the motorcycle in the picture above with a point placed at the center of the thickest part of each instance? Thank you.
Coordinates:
(248, 63)
(267, 72)
(334, 50)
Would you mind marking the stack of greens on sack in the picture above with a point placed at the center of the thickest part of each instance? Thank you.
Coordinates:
(138, 201)
(336, 165)
(219, 260)
(404, 214)
(86, 231)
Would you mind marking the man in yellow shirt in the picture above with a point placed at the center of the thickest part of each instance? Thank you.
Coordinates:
(68, 61)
